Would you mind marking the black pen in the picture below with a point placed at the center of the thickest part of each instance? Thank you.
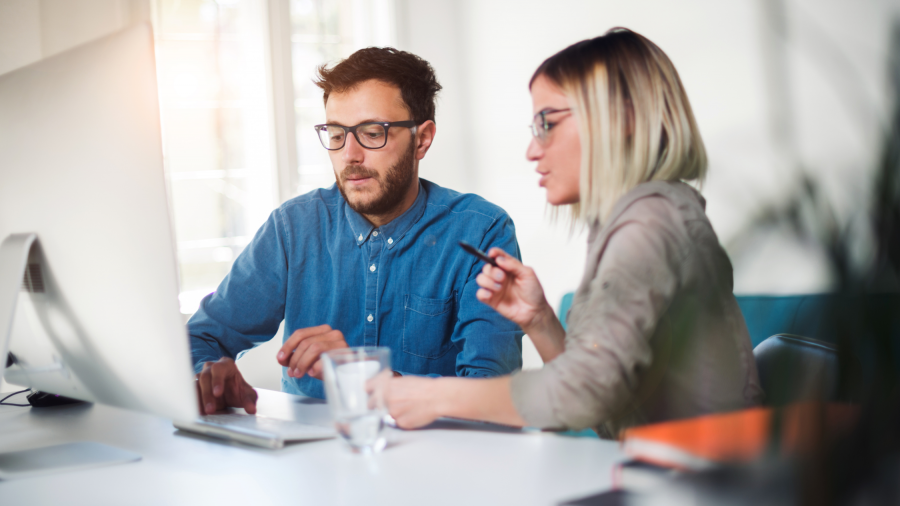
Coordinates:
(472, 250)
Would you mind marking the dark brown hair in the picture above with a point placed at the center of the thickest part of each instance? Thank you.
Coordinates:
(413, 75)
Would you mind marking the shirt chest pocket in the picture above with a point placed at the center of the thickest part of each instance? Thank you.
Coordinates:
(427, 325)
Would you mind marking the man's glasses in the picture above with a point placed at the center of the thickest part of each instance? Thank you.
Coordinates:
(540, 127)
(371, 135)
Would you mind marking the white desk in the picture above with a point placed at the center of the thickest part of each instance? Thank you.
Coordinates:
(436, 466)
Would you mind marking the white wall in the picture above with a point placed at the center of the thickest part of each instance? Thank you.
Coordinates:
(20, 34)
(486, 50)
(35, 29)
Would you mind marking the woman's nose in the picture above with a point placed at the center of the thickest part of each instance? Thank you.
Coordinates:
(534, 151)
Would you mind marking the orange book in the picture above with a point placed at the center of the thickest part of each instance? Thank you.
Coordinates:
(736, 437)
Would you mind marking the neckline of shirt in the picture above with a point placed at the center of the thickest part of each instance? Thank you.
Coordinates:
(391, 232)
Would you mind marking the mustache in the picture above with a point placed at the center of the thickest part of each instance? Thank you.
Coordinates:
(357, 171)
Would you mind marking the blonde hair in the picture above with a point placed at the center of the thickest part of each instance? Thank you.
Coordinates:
(635, 120)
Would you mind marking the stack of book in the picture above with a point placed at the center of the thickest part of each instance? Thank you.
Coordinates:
(663, 451)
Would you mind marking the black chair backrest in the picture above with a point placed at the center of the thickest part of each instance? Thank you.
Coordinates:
(796, 368)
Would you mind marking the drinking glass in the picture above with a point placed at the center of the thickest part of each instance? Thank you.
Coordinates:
(355, 383)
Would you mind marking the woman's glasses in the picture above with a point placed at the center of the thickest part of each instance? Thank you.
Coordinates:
(540, 126)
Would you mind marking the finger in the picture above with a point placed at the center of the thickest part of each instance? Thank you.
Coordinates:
(297, 356)
(329, 341)
(284, 354)
(506, 262)
(497, 253)
(240, 393)
(200, 407)
(316, 366)
(249, 399)
(236, 386)
(300, 353)
(396, 404)
(411, 420)
(316, 370)
(396, 412)
(497, 274)
(220, 372)
(207, 401)
(235, 390)
(484, 295)
(486, 281)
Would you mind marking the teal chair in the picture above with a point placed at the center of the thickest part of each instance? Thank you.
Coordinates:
(819, 316)
(564, 306)
(870, 324)
(804, 315)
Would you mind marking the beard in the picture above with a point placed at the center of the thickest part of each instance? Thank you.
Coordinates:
(391, 189)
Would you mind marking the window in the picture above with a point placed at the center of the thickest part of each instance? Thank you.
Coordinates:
(216, 133)
(220, 98)
(326, 31)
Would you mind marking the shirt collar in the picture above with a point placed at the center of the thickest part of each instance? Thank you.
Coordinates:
(391, 232)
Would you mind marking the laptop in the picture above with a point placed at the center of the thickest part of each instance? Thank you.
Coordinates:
(256, 430)
(281, 418)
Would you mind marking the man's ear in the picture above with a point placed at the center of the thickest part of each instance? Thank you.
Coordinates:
(424, 137)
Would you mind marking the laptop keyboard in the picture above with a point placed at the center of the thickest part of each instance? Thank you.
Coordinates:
(284, 428)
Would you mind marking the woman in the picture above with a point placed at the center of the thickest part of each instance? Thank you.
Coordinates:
(654, 330)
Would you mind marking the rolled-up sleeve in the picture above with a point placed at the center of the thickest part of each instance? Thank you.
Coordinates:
(611, 324)
(248, 305)
(491, 344)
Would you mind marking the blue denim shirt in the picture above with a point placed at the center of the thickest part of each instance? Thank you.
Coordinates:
(406, 285)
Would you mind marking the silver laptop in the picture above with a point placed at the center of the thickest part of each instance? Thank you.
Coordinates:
(257, 430)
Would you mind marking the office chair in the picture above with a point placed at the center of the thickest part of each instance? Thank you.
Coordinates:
(796, 368)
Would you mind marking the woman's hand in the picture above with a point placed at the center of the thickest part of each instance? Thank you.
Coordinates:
(513, 290)
(413, 401)
(416, 402)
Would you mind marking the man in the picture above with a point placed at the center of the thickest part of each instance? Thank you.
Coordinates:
(371, 261)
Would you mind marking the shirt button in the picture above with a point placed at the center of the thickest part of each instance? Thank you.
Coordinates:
(372, 267)
(360, 237)
(375, 233)
(370, 318)
(390, 241)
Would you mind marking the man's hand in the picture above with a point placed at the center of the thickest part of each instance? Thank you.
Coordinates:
(220, 385)
(300, 353)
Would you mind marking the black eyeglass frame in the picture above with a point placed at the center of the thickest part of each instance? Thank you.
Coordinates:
(544, 124)
(387, 128)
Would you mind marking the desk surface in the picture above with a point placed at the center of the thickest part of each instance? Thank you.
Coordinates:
(449, 465)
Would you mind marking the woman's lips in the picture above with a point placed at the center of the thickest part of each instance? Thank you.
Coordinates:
(543, 179)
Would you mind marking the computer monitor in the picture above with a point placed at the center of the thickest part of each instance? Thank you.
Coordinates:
(96, 315)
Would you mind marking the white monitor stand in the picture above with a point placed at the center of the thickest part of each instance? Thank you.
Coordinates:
(20, 276)
(13, 263)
